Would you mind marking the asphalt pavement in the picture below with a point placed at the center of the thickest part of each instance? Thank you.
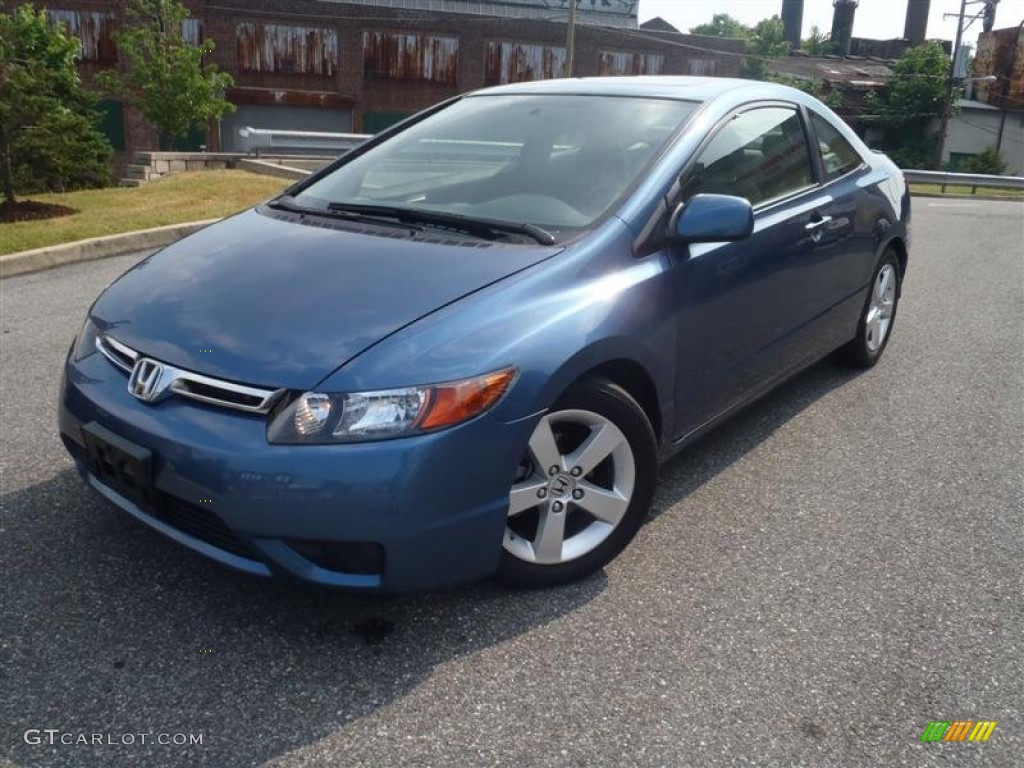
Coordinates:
(822, 577)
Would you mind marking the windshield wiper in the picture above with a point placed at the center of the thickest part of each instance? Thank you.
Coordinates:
(288, 203)
(489, 229)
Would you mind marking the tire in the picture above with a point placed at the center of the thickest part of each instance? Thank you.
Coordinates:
(583, 489)
(874, 328)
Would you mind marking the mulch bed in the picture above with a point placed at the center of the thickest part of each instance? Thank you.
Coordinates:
(30, 210)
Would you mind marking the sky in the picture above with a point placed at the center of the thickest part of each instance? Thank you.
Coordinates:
(880, 19)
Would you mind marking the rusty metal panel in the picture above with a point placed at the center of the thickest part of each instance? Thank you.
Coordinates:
(625, 8)
(519, 62)
(614, 63)
(618, 13)
(1015, 93)
(93, 30)
(412, 58)
(1001, 53)
(287, 49)
(702, 67)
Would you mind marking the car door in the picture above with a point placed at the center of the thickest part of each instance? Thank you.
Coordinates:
(845, 250)
(745, 307)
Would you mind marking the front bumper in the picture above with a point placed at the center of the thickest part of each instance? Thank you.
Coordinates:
(416, 513)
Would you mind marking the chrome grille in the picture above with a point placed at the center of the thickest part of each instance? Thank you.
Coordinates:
(117, 353)
(205, 389)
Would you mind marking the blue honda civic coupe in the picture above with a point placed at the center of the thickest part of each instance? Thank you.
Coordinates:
(463, 348)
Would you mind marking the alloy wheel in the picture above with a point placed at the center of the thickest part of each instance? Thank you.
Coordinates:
(880, 311)
(572, 490)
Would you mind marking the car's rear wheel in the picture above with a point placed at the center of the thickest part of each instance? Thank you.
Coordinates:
(876, 321)
(582, 489)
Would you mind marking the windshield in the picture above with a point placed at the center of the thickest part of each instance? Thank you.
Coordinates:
(553, 161)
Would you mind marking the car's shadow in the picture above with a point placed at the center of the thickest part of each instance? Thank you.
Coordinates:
(110, 628)
(719, 449)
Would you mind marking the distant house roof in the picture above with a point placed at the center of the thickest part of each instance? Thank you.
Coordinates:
(848, 72)
(658, 24)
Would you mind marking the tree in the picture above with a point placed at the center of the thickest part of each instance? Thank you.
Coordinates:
(987, 161)
(722, 25)
(63, 151)
(163, 74)
(912, 99)
(44, 110)
(765, 40)
(817, 88)
(819, 43)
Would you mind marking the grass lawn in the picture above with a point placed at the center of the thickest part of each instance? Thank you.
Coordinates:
(951, 189)
(171, 200)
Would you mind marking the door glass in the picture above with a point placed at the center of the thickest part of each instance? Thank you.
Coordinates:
(837, 156)
(761, 154)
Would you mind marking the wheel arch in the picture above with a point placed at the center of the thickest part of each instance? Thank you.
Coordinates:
(628, 373)
(899, 246)
(637, 382)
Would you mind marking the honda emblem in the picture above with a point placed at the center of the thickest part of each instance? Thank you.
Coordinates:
(147, 380)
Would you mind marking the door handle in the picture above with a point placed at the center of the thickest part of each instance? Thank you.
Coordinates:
(817, 224)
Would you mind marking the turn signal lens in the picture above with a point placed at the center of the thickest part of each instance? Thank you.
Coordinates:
(462, 400)
(311, 413)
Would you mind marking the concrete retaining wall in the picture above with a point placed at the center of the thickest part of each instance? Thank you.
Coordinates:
(154, 165)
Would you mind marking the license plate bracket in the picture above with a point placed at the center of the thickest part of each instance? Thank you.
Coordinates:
(120, 464)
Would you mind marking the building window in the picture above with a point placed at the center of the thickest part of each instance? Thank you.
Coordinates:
(957, 160)
(614, 63)
(286, 49)
(519, 62)
(703, 67)
(412, 58)
(192, 31)
(93, 31)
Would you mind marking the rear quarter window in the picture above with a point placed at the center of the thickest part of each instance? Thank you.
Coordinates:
(838, 157)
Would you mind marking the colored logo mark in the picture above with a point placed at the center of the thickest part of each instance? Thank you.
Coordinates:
(958, 730)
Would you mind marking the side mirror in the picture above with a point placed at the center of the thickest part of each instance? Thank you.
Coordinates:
(713, 219)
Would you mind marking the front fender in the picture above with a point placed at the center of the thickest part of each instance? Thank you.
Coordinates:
(594, 304)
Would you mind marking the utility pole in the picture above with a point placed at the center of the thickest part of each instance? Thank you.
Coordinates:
(947, 107)
(570, 39)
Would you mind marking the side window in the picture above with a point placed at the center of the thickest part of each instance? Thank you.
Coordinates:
(837, 156)
(761, 154)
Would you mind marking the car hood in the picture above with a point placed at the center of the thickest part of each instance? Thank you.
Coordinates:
(273, 302)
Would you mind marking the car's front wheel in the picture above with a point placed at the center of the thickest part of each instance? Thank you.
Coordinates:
(583, 487)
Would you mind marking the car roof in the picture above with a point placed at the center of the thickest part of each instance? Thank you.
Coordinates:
(655, 86)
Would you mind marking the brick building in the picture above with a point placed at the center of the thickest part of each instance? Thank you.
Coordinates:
(994, 117)
(360, 66)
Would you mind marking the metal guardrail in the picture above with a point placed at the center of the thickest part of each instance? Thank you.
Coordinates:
(256, 140)
(972, 180)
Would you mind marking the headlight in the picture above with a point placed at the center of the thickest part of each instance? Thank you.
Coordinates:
(315, 417)
(85, 343)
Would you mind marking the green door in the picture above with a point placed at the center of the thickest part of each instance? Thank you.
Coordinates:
(375, 122)
(112, 122)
